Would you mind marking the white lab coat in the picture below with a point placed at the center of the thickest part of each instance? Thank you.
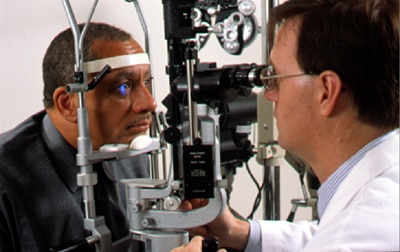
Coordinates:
(363, 215)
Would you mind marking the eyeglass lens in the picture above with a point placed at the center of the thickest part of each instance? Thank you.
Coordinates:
(267, 77)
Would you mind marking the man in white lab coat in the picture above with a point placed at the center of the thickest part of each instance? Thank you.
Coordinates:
(334, 80)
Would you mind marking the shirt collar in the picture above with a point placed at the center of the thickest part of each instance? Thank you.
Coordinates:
(62, 154)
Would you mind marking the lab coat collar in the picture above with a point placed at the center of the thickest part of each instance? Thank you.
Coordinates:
(375, 162)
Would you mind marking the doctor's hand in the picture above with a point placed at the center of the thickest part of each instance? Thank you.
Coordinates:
(231, 232)
(195, 245)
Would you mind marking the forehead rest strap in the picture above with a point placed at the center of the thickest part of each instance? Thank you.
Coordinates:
(116, 62)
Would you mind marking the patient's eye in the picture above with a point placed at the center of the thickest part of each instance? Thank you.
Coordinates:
(147, 82)
(123, 89)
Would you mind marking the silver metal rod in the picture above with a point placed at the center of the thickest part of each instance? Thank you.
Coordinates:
(272, 173)
(146, 44)
(154, 164)
(191, 104)
(88, 201)
(272, 193)
(74, 28)
(264, 35)
(84, 141)
(144, 26)
(84, 31)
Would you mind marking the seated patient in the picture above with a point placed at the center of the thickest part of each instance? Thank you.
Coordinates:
(40, 201)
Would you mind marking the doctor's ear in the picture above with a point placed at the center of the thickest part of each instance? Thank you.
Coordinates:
(66, 104)
(329, 92)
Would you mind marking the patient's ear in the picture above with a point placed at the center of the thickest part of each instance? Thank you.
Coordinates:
(66, 104)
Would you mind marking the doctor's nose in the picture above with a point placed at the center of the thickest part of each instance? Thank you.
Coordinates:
(271, 95)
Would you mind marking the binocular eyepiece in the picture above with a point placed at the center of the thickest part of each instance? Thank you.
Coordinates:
(219, 84)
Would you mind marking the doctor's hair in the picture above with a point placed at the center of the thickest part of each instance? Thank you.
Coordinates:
(357, 39)
(58, 64)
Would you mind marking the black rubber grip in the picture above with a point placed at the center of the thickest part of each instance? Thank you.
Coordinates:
(210, 244)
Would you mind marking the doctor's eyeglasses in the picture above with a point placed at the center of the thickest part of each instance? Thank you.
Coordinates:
(268, 77)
